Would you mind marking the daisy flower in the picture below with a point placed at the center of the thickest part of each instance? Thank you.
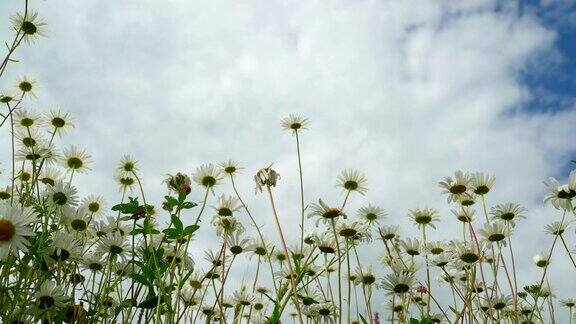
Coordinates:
(93, 262)
(58, 121)
(76, 160)
(28, 137)
(494, 232)
(14, 227)
(559, 195)
(464, 214)
(467, 252)
(61, 194)
(259, 248)
(78, 220)
(436, 247)
(364, 276)
(226, 225)
(64, 247)
(30, 25)
(454, 187)
(424, 216)
(295, 123)
(236, 244)
(208, 176)
(226, 205)
(540, 260)
(352, 180)
(389, 232)
(324, 213)
(507, 212)
(26, 86)
(568, 302)
(230, 167)
(114, 245)
(371, 214)
(125, 182)
(351, 229)
(5, 193)
(242, 297)
(556, 228)
(326, 243)
(411, 246)
(127, 166)
(50, 176)
(50, 295)
(41, 152)
(481, 183)
(94, 204)
(26, 118)
(398, 283)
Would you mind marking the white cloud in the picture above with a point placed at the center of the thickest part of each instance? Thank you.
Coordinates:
(406, 91)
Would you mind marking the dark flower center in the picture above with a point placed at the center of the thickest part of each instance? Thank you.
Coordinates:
(7, 230)
(94, 207)
(237, 249)
(331, 213)
(401, 288)
(74, 163)
(295, 126)
(458, 189)
(566, 194)
(45, 302)
(469, 257)
(115, 249)
(208, 181)
(29, 28)
(25, 86)
(424, 219)
(348, 232)
(28, 141)
(496, 237)
(26, 122)
(481, 190)
(79, 225)
(59, 198)
(58, 122)
(225, 211)
(60, 254)
(351, 185)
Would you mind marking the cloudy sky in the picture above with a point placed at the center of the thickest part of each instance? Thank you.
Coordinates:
(405, 91)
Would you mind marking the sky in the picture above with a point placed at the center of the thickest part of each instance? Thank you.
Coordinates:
(405, 91)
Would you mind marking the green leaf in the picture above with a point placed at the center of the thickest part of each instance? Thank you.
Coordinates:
(364, 320)
(414, 321)
(171, 200)
(188, 205)
(127, 208)
(189, 230)
(172, 233)
(141, 279)
(177, 223)
(149, 303)
(124, 304)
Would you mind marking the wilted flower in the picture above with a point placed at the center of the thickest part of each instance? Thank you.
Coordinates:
(266, 177)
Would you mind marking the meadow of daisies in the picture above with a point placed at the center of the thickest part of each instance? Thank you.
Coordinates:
(65, 258)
